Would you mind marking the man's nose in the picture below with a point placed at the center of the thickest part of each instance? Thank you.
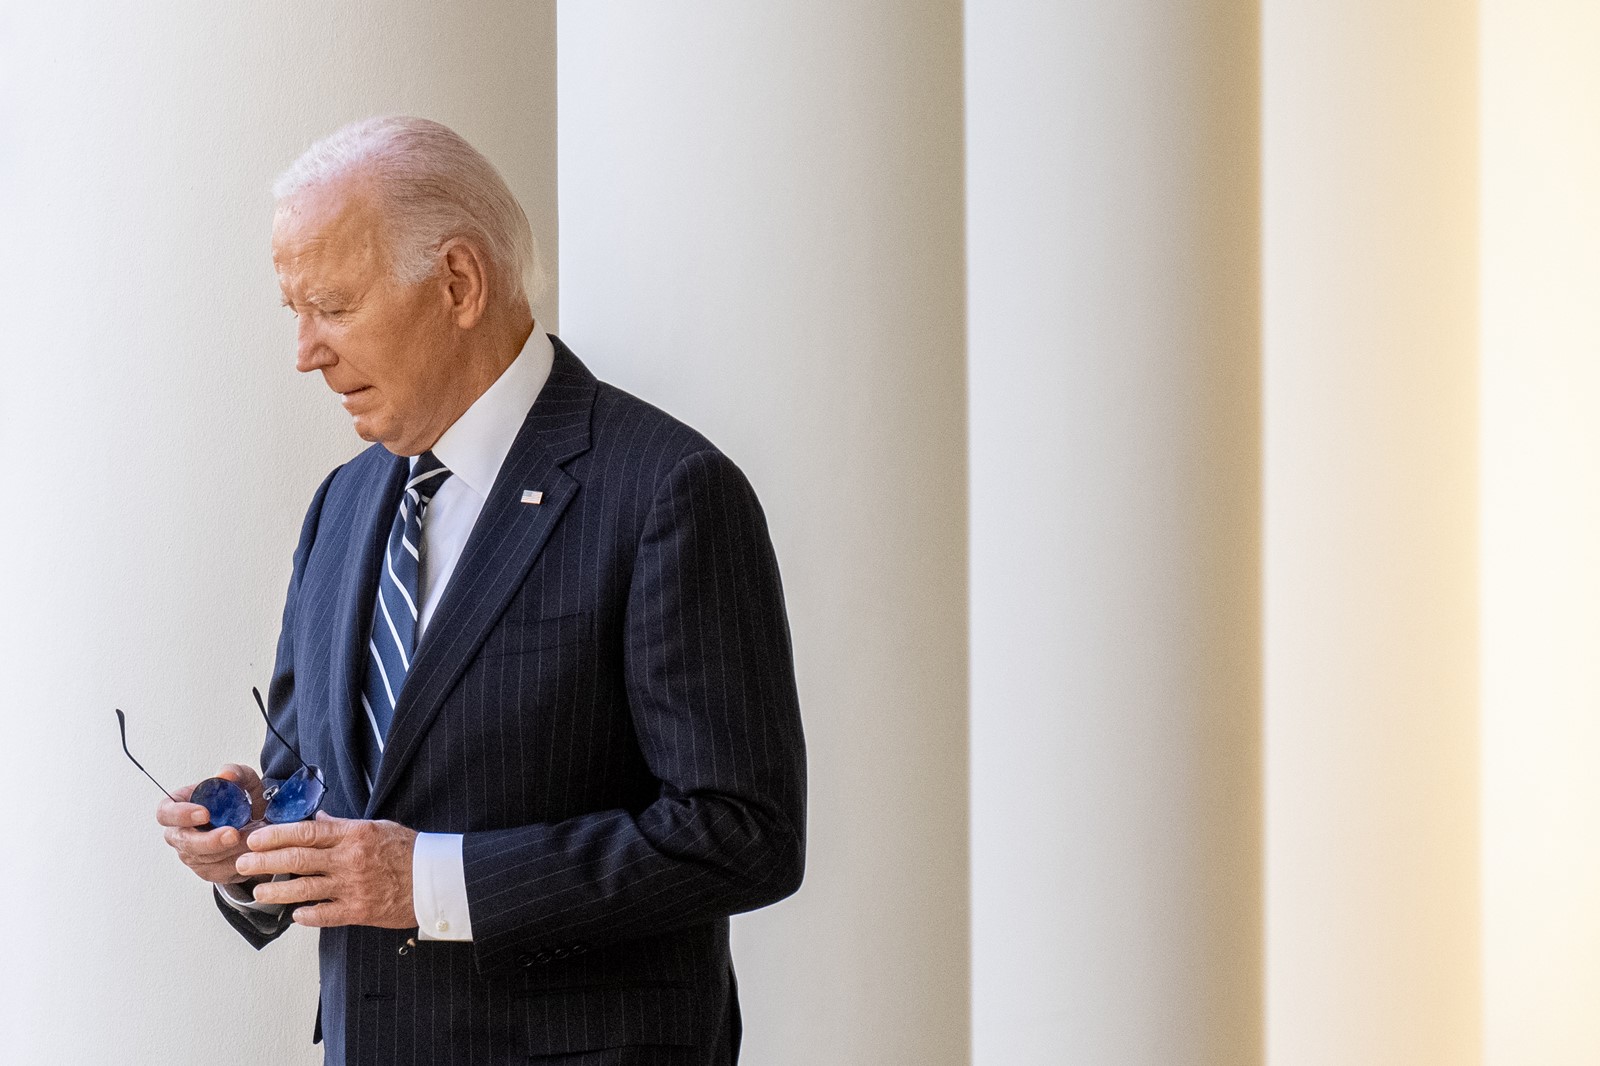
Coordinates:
(310, 352)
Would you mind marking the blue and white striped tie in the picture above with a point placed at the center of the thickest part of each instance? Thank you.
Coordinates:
(394, 614)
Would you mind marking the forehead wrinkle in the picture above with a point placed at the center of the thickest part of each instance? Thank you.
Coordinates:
(329, 249)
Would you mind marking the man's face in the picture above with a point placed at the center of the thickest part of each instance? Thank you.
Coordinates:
(385, 348)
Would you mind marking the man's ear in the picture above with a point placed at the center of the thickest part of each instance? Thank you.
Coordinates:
(466, 281)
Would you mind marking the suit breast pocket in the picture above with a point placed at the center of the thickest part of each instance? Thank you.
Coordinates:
(525, 638)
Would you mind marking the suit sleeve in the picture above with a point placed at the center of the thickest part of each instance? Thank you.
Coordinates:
(709, 677)
(262, 928)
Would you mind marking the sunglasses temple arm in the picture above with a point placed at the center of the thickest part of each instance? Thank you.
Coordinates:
(122, 727)
(262, 704)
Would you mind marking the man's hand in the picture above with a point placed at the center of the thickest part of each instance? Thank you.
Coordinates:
(210, 854)
(352, 872)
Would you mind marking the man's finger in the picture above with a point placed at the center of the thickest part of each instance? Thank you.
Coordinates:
(318, 834)
(323, 915)
(194, 842)
(283, 861)
(203, 860)
(184, 814)
(294, 890)
(244, 775)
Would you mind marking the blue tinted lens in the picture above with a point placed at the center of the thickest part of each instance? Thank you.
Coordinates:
(228, 803)
(297, 798)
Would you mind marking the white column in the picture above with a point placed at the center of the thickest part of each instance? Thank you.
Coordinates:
(1540, 508)
(159, 453)
(1113, 390)
(1370, 506)
(761, 232)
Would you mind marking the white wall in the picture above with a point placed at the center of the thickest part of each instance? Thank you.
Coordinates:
(1112, 376)
(160, 450)
(1540, 515)
(761, 232)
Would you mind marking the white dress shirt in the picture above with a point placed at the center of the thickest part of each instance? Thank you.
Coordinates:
(473, 448)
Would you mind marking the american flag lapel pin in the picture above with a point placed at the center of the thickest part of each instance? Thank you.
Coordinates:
(532, 496)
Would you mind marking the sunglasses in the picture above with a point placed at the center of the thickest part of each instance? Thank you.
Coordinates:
(295, 800)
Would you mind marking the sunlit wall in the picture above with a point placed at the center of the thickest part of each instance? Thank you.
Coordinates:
(1369, 266)
(1540, 521)
(761, 210)
(1113, 365)
(1179, 423)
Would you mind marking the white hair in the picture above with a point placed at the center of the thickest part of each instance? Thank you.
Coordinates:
(430, 186)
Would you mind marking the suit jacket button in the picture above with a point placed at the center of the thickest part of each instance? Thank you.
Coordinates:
(541, 956)
(579, 949)
(524, 959)
(560, 953)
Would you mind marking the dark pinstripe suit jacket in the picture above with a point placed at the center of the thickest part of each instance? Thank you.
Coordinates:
(603, 702)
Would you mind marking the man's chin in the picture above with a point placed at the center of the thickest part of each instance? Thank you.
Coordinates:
(396, 447)
(372, 434)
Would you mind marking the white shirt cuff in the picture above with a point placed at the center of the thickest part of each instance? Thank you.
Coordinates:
(439, 888)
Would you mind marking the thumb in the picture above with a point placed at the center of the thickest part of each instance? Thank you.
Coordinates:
(244, 776)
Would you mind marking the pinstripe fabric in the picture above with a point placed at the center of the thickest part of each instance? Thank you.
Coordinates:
(604, 704)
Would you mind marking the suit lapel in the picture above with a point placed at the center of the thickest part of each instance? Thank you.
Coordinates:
(369, 532)
(508, 536)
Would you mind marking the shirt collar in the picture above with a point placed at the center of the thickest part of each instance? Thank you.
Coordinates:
(476, 445)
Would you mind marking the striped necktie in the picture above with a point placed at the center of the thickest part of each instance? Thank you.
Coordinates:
(393, 636)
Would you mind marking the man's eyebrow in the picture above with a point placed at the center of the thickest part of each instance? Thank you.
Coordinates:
(321, 298)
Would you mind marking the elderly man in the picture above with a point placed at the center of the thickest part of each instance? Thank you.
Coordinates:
(535, 639)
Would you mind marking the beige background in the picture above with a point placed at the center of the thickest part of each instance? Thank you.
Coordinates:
(1176, 423)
